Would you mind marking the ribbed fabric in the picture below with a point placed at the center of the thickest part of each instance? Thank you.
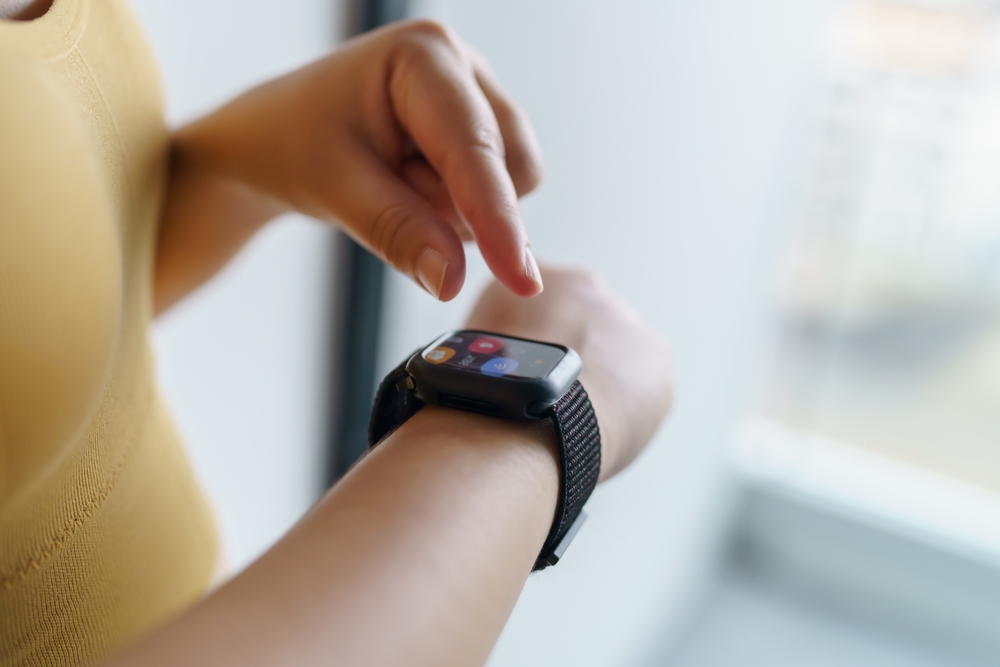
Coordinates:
(580, 462)
(104, 533)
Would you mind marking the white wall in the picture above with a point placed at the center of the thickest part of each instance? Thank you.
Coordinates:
(672, 136)
(242, 362)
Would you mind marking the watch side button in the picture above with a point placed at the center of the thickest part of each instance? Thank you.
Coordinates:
(405, 384)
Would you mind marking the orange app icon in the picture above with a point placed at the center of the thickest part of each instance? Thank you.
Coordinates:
(439, 355)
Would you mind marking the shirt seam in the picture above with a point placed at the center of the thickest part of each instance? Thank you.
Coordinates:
(35, 561)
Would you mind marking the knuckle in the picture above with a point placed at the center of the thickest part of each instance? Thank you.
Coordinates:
(535, 173)
(480, 142)
(423, 35)
(583, 277)
(530, 173)
(485, 137)
(481, 137)
(426, 45)
(590, 287)
(429, 28)
(414, 54)
(385, 232)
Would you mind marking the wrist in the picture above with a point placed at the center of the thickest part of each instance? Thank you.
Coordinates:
(207, 217)
(519, 380)
(243, 143)
(447, 429)
(472, 445)
(191, 160)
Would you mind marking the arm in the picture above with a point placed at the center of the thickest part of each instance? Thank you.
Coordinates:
(207, 219)
(417, 556)
(402, 137)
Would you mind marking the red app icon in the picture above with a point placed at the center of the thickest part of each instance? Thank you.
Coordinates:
(486, 345)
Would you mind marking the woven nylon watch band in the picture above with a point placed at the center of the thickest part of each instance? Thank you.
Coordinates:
(576, 430)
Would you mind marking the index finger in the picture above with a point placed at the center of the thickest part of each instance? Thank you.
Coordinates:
(439, 103)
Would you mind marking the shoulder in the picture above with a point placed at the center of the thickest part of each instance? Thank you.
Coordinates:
(22, 85)
(35, 116)
(48, 160)
(50, 173)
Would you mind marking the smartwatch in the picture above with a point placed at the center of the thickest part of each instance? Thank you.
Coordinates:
(510, 378)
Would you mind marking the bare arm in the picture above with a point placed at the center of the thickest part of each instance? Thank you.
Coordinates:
(207, 219)
(417, 556)
(402, 137)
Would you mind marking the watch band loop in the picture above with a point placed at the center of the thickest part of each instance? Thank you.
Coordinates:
(580, 465)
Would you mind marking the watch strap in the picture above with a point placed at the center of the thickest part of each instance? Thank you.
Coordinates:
(580, 465)
(577, 434)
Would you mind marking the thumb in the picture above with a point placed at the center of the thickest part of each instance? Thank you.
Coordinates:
(385, 215)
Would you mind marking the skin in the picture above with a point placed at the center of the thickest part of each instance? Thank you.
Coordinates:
(404, 139)
(23, 10)
(415, 558)
(418, 555)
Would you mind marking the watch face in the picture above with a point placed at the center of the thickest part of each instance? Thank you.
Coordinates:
(492, 354)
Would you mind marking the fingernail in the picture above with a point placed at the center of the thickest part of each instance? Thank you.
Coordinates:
(531, 268)
(431, 267)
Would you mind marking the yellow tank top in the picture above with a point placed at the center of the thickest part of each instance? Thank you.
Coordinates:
(104, 532)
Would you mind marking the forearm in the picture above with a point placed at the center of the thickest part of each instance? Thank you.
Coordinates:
(416, 557)
(206, 219)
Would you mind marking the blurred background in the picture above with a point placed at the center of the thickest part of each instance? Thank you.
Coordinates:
(802, 195)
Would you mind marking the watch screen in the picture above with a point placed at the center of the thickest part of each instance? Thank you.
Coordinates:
(492, 354)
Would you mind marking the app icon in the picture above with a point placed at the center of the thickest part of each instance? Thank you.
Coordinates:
(499, 366)
(468, 360)
(439, 355)
(456, 339)
(486, 345)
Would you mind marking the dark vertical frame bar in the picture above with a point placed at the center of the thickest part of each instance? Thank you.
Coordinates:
(359, 278)
(375, 13)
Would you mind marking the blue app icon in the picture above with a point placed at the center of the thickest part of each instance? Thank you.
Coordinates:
(499, 366)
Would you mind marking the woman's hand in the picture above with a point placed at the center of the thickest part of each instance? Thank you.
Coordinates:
(626, 364)
(402, 135)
